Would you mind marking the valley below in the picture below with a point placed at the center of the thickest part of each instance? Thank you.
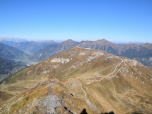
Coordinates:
(75, 56)
(79, 79)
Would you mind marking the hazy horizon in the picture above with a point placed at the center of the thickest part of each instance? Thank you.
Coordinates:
(41, 40)
(114, 20)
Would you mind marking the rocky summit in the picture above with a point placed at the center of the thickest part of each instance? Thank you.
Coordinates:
(78, 81)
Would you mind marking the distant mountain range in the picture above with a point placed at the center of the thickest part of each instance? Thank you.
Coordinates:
(10, 52)
(75, 77)
(80, 79)
(142, 53)
(52, 50)
(147, 45)
(133, 51)
(39, 51)
(31, 47)
(10, 40)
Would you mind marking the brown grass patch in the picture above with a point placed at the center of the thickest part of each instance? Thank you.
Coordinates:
(15, 88)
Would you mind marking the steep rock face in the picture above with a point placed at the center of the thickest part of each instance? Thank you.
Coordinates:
(79, 79)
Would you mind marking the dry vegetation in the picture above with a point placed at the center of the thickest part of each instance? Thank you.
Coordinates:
(98, 83)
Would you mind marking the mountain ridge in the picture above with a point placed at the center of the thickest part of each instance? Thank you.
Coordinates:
(31, 47)
(54, 49)
(138, 52)
(147, 45)
(10, 52)
(81, 78)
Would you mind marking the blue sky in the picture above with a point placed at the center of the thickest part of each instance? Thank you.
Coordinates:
(114, 20)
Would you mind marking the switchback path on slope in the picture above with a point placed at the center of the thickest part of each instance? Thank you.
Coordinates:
(102, 77)
(113, 71)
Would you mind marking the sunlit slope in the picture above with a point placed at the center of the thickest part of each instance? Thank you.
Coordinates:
(76, 79)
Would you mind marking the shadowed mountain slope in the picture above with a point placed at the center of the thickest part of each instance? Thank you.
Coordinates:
(138, 52)
(52, 50)
(130, 50)
(8, 67)
(147, 45)
(31, 47)
(100, 45)
(10, 43)
(10, 52)
(79, 79)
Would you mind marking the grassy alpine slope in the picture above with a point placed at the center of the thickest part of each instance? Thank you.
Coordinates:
(76, 79)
